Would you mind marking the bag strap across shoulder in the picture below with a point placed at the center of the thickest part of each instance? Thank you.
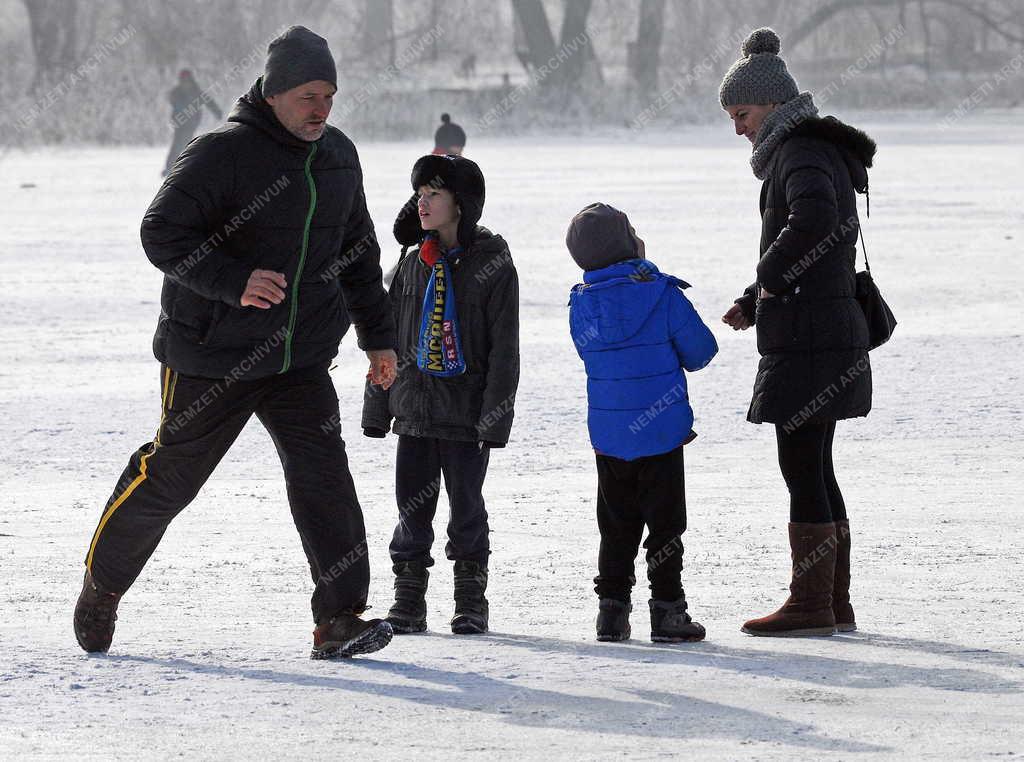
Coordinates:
(860, 228)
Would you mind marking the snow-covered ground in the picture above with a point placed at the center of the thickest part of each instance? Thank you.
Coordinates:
(210, 655)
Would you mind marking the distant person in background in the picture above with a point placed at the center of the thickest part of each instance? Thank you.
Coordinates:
(811, 332)
(450, 138)
(467, 66)
(187, 101)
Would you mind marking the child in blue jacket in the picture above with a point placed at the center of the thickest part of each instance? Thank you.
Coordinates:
(636, 334)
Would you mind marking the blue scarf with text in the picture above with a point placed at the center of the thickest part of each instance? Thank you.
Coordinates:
(439, 352)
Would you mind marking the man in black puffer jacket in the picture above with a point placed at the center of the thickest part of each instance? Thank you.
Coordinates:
(268, 253)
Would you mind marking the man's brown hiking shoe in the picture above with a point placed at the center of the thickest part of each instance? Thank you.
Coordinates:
(346, 635)
(95, 614)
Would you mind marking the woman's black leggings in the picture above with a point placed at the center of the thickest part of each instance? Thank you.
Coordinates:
(805, 457)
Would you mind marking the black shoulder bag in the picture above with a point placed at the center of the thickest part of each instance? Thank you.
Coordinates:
(881, 321)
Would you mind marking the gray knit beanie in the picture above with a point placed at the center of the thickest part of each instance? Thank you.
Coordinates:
(600, 236)
(296, 57)
(760, 77)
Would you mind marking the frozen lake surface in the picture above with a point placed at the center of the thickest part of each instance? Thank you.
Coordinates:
(210, 655)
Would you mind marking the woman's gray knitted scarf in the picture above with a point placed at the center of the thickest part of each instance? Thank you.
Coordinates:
(776, 127)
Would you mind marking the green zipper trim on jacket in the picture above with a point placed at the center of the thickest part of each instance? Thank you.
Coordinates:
(294, 312)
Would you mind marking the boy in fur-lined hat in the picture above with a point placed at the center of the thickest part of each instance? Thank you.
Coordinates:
(456, 302)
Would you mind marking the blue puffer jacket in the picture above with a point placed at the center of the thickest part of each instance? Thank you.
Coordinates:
(636, 332)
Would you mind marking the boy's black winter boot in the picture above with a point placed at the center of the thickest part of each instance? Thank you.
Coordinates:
(345, 634)
(409, 612)
(670, 622)
(95, 614)
(471, 610)
(613, 620)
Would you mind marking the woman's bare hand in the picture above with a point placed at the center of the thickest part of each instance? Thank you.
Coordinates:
(735, 318)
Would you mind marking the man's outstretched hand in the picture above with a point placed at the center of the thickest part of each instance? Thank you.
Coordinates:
(383, 367)
(264, 289)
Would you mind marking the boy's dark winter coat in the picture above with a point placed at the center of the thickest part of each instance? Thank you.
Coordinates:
(248, 196)
(812, 335)
(479, 404)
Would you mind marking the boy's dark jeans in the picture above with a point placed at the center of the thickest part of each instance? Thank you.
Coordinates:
(419, 465)
(631, 494)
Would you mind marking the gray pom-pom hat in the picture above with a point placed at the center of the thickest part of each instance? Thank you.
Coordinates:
(760, 77)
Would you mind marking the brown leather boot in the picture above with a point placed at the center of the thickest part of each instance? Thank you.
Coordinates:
(808, 610)
(845, 621)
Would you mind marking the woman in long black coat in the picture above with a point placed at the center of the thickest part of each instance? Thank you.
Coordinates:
(811, 332)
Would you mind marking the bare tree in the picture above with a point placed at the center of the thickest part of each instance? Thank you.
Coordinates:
(1010, 27)
(379, 30)
(643, 57)
(576, 41)
(52, 25)
(535, 45)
